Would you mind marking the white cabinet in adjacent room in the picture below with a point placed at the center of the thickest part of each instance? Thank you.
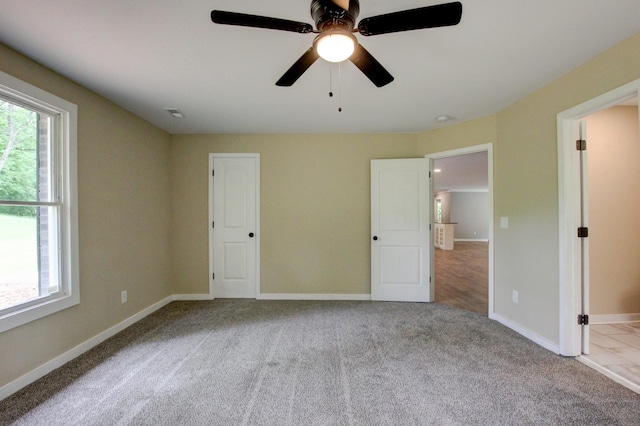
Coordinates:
(443, 235)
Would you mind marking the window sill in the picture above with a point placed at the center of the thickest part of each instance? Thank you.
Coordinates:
(31, 313)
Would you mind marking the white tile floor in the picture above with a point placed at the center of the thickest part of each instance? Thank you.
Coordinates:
(616, 347)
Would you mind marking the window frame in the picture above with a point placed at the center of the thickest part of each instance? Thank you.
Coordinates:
(64, 151)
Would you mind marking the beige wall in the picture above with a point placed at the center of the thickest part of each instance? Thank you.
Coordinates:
(614, 209)
(463, 135)
(526, 187)
(526, 256)
(138, 186)
(315, 208)
(123, 195)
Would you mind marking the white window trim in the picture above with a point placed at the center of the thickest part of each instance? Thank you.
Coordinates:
(67, 157)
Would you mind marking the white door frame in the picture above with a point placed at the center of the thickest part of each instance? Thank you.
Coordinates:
(212, 156)
(488, 147)
(570, 264)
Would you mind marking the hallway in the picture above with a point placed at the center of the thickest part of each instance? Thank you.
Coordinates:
(462, 276)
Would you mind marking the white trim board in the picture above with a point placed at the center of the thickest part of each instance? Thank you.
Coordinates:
(60, 360)
(191, 297)
(613, 318)
(57, 362)
(610, 374)
(536, 338)
(471, 150)
(39, 372)
(569, 188)
(464, 190)
(305, 296)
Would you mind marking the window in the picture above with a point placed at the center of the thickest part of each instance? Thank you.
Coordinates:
(38, 209)
(438, 210)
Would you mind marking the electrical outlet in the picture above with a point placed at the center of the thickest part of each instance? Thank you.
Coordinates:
(123, 296)
(514, 296)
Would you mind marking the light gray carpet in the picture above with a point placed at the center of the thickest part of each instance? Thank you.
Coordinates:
(233, 362)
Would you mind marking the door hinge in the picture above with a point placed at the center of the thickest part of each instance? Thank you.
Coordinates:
(429, 227)
(213, 224)
(429, 280)
(583, 232)
(429, 174)
(581, 145)
(213, 172)
(213, 276)
(583, 319)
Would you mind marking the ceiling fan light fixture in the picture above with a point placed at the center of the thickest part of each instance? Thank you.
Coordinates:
(335, 23)
(335, 45)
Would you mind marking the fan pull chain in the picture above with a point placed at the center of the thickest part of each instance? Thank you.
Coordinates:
(330, 80)
(339, 86)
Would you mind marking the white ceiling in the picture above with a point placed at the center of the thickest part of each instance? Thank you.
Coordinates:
(148, 55)
(468, 172)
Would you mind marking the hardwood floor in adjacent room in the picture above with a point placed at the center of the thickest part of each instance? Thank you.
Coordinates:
(462, 276)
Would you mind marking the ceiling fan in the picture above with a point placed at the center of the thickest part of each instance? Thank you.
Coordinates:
(335, 25)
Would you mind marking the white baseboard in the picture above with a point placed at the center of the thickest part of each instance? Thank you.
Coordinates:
(59, 361)
(304, 296)
(613, 318)
(478, 240)
(536, 338)
(610, 374)
(190, 297)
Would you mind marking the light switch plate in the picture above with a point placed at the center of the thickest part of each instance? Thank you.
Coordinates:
(504, 222)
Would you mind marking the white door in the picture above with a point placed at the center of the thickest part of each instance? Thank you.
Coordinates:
(400, 217)
(235, 250)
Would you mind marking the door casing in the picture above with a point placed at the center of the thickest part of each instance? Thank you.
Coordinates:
(488, 147)
(571, 264)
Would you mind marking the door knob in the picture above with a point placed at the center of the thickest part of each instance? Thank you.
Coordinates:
(251, 234)
(375, 238)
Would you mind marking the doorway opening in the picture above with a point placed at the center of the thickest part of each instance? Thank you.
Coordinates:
(614, 241)
(462, 258)
(598, 268)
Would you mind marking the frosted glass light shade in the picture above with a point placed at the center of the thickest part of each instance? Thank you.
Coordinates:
(335, 46)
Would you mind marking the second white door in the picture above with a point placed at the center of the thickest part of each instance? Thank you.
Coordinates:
(235, 230)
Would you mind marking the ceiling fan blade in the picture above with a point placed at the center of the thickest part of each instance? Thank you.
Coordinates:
(362, 59)
(298, 68)
(244, 20)
(440, 15)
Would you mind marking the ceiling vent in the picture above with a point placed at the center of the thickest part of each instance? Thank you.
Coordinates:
(175, 113)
